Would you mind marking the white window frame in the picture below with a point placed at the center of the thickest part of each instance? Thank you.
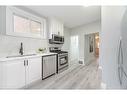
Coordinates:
(11, 11)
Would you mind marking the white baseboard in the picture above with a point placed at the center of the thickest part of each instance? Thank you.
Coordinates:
(73, 61)
(103, 86)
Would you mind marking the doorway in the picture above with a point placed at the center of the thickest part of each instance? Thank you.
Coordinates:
(91, 46)
(97, 43)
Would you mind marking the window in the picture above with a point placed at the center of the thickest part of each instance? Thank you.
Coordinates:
(21, 24)
(24, 24)
(35, 27)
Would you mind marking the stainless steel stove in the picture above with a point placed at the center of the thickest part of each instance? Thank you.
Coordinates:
(62, 58)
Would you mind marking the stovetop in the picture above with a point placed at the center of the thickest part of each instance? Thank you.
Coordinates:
(59, 52)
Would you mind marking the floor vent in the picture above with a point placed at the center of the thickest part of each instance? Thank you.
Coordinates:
(80, 62)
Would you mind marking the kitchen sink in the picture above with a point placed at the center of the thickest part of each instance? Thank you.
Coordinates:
(20, 55)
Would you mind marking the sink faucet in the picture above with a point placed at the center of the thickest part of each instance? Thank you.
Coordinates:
(21, 49)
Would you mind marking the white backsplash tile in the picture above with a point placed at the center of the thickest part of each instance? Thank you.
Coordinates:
(10, 45)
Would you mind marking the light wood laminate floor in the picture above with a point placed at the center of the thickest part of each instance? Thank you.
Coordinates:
(77, 76)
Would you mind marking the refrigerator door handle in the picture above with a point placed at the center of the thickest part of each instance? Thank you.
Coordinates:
(119, 63)
(124, 73)
(122, 64)
(121, 71)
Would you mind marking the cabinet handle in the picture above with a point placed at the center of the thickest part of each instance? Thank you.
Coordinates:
(24, 63)
(27, 62)
(58, 33)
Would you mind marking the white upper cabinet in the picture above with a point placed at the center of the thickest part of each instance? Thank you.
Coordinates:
(24, 24)
(55, 27)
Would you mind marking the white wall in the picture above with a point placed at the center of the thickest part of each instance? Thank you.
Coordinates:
(9, 45)
(81, 31)
(109, 37)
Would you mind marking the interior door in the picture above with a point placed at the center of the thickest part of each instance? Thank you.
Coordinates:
(74, 48)
(14, 74)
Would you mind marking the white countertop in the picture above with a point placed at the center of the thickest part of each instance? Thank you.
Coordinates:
(2, 59)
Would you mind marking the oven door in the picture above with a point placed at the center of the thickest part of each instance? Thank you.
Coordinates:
(63, 61)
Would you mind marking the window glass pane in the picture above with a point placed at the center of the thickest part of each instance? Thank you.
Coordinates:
(21, 24)
(35, 27)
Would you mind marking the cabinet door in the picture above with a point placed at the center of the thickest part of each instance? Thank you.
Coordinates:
(61, 29)
(34, 69)
(13, 74)
(56, 27)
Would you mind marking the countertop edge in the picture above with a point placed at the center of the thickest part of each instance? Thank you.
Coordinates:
(4, 59)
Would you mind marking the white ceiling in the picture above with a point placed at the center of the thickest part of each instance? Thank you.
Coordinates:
(72, 16)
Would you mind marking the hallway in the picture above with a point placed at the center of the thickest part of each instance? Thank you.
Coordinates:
(76, 77)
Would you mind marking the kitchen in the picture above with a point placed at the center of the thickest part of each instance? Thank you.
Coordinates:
(36, 47)
(62, 47)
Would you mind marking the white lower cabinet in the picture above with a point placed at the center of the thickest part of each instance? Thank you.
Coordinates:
(20, 73)
(13, 74)
(34, 70)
